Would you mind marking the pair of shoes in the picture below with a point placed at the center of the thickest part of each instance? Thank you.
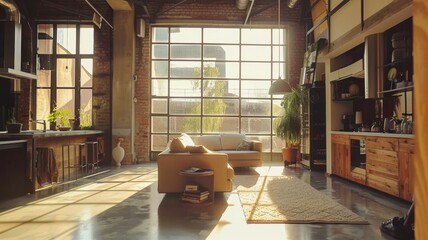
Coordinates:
(395, 228)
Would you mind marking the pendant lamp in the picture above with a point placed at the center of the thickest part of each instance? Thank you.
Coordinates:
(279, 86)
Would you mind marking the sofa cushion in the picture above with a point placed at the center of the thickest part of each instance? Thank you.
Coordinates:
(197, 149)
(187, 140)
(231, 141)
(241, 155)
(244, 146)
(212, 142)
(177, 146)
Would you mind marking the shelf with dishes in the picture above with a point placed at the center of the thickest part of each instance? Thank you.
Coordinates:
(348, 88)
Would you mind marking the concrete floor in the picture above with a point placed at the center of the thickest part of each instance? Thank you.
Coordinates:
(123, 203)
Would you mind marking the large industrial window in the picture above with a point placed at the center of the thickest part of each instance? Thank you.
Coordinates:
(64, 71)
(208, 80)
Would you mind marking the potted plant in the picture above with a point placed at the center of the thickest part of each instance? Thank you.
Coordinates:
(288, 123)
(60, 118)
(11, 125)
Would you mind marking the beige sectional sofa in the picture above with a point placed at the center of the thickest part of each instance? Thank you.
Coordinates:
(217, 152)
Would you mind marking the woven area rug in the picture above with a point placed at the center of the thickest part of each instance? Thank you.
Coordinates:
(289, 200)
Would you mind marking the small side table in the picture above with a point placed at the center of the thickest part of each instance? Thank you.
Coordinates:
(203, 178)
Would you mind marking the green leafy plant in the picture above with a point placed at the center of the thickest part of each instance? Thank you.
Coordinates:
(60, 117)
(288, 124)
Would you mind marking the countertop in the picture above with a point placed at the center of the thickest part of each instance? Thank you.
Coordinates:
(374, 134)
(41, 134)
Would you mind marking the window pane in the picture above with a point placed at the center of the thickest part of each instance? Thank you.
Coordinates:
(44, 78)
(86, 39)
(159, 124)
(256, 36)
(160, 34)
(276, 107)
(65, 72)
(183, 51)
(281, 39)
(184, 124)
(221, 69)
(185, 69)
(45, 38)
(255, 89)
(278, 144)
(43, 105)
(220, 125)
(85, 107)
(185, 88)
(221, 107)
(185, 106)
(221, 35)
(278, 50)
(255, 125)
(186, 35)
(256, 53)
(65, 99)
(221, 52)
(159, 51)
(159, 87)
(255, 107)
(282, 72)
(256, 70)
(86, 70)
(159, 142)
(66, 39)
(221, 88)
(159, 69)
(159, 106)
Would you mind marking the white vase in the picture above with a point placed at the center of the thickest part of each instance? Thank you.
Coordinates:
(118, 153)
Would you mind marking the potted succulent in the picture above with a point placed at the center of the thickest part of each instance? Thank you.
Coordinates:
(288, 123)
(11, 125)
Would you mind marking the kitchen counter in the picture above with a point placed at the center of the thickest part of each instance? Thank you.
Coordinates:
(375, 134)
(41, 134)
(55, 140)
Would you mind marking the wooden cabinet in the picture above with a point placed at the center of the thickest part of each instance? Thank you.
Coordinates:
(340, 155)
(389, 163)
(382, 164)
(406, 155)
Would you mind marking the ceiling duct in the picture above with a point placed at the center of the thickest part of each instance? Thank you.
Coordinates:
(242, 4)
(11, 32)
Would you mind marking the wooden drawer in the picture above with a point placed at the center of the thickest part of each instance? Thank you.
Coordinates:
(382, 163)
(390, 144)
(383, 184)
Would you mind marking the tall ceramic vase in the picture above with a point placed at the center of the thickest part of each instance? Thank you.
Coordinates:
(118, 152)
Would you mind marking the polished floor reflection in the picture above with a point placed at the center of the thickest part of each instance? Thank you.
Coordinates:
(123, 203)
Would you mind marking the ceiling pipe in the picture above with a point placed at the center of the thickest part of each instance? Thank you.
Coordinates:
(249, 11)
(12, 10)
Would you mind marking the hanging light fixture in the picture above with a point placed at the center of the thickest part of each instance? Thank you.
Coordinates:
(279, 86)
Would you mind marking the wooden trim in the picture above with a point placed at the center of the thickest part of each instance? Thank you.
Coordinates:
(420, 46)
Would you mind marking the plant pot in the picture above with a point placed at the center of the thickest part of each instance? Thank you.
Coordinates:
(13, 127)
(289, 155)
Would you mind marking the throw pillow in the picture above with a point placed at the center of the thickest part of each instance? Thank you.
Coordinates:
(197, 149)
(177, 146)
(244, 146)
(187, 140)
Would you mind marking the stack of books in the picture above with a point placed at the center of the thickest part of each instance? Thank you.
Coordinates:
(195, 194)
